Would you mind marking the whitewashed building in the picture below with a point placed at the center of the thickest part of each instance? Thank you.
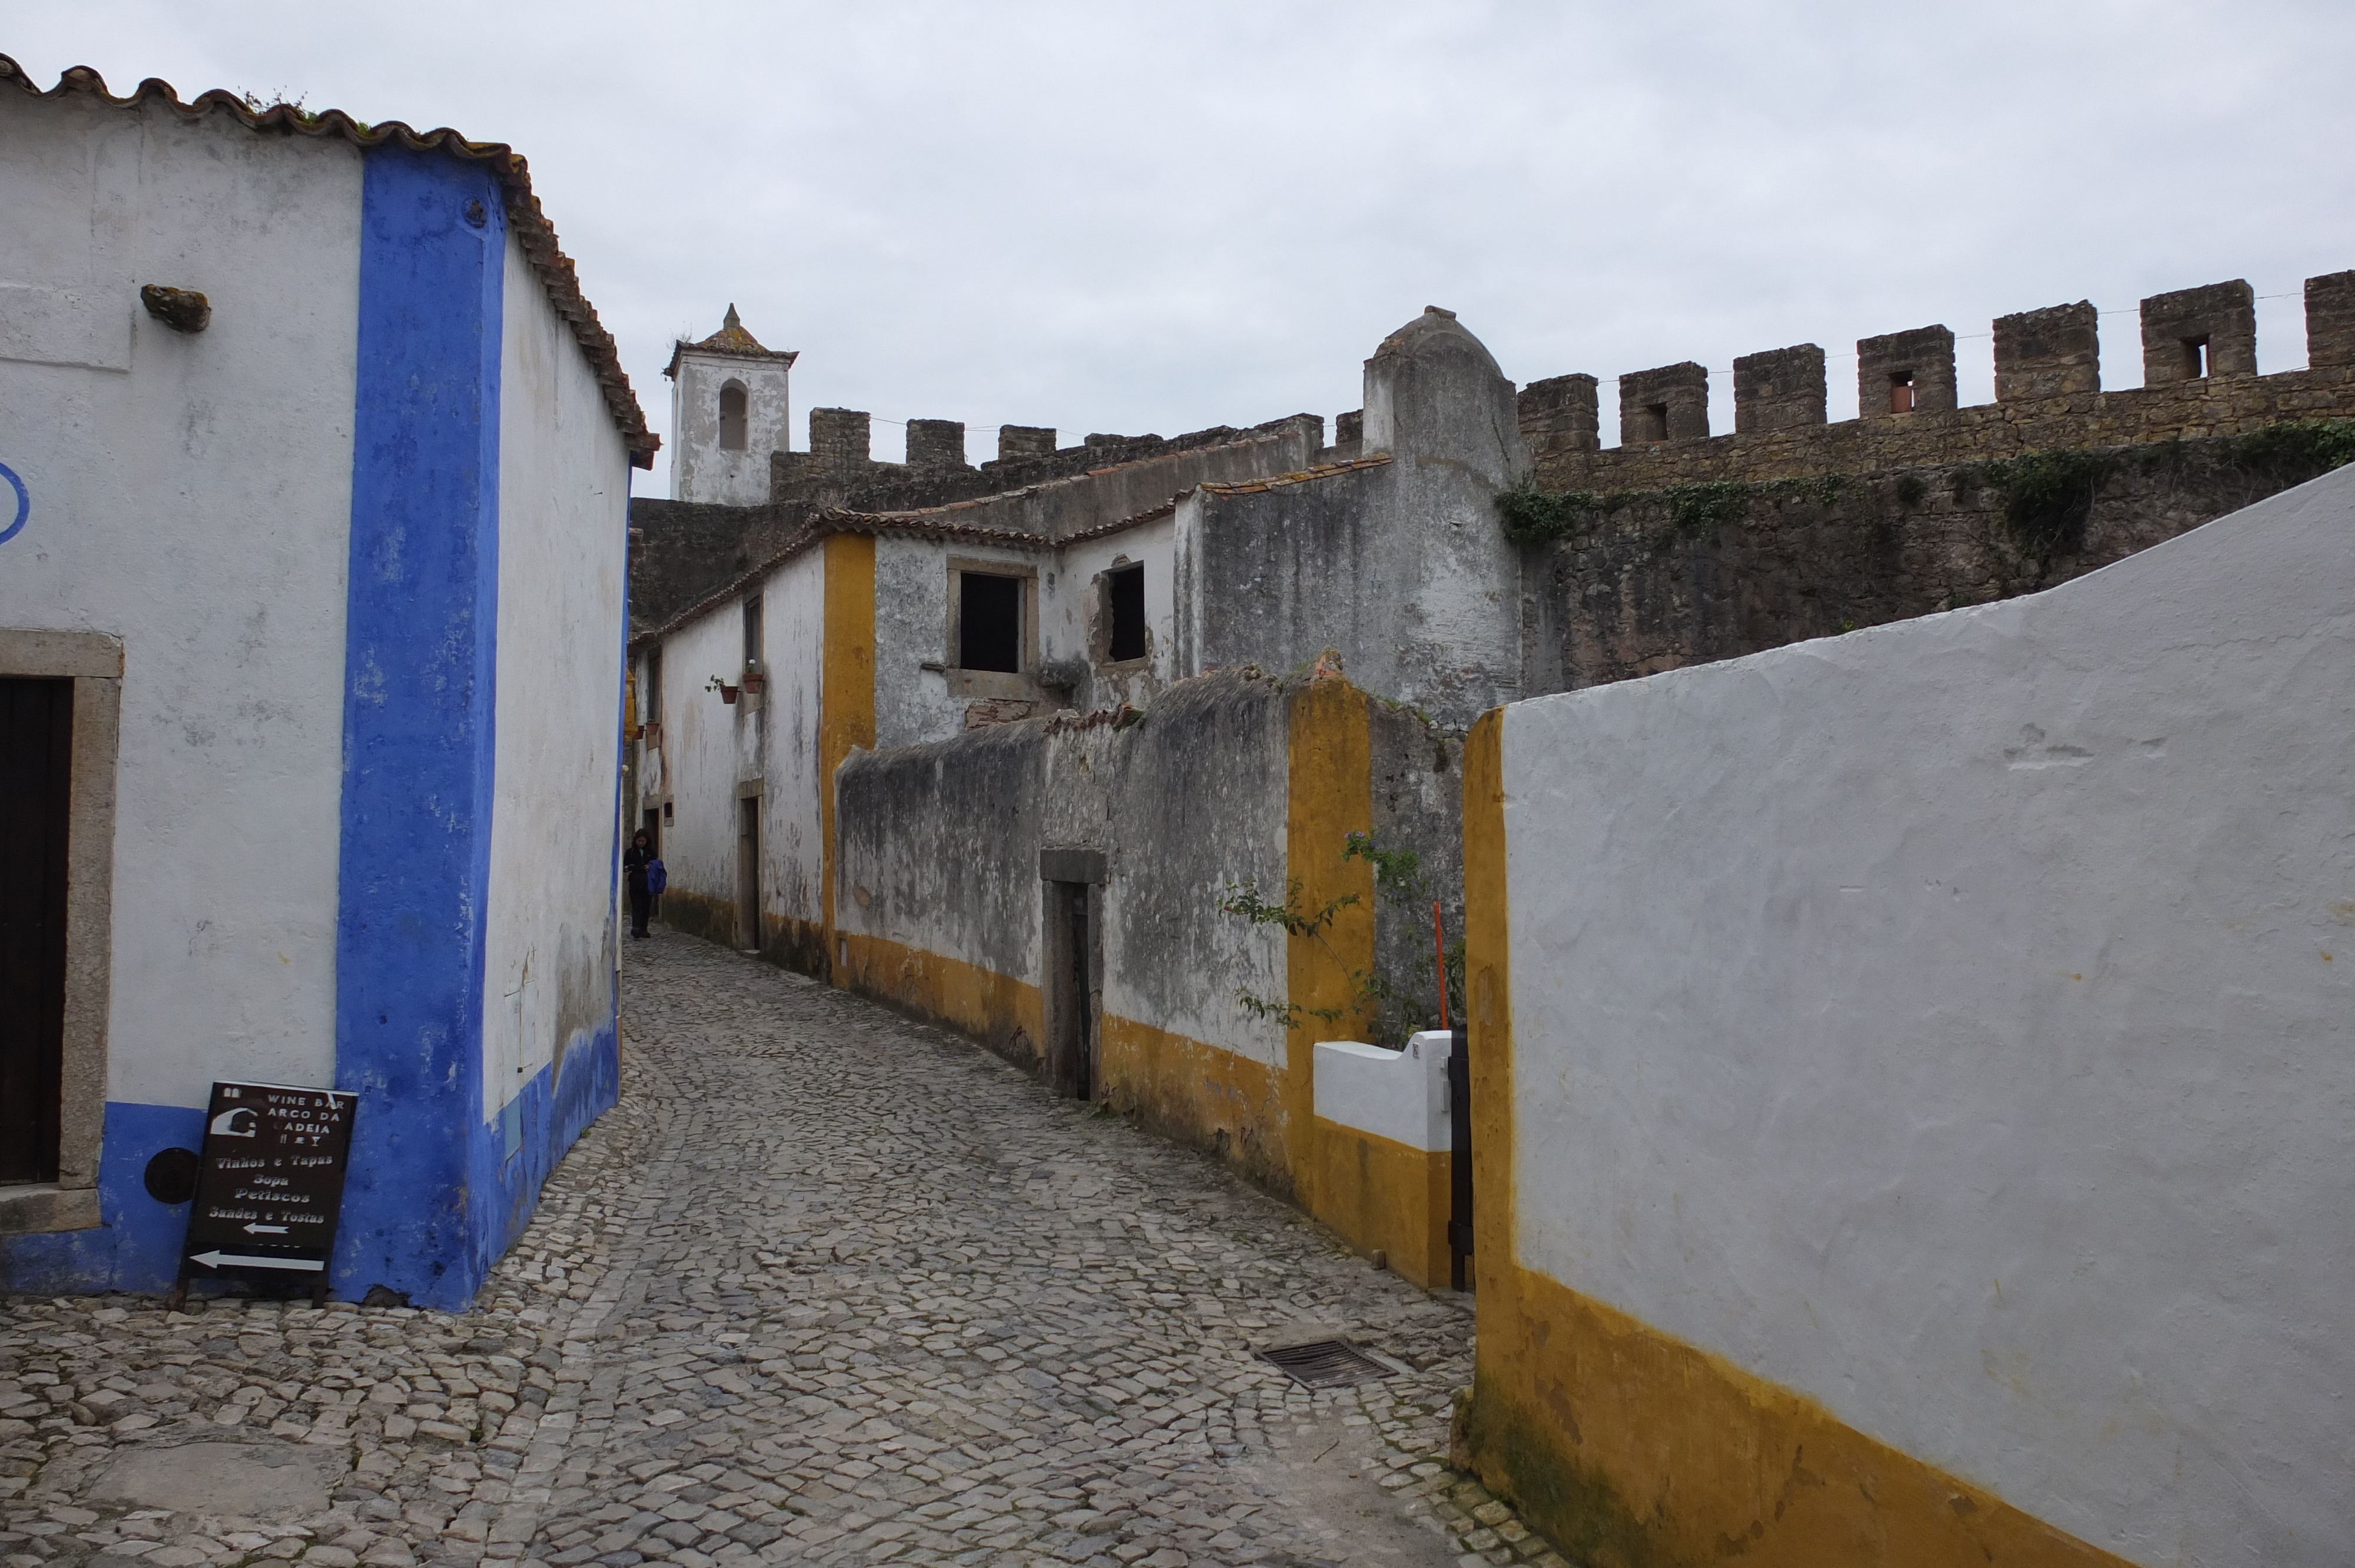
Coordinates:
(312, 554)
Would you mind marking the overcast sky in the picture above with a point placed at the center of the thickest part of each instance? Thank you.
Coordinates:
(1159, 216)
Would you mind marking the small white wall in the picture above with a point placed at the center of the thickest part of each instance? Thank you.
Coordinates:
(699, 469)
(564, 491)
(1398, 1095)
(192, 495)
(1955, 1022)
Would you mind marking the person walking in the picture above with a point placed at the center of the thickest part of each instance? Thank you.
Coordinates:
(635, 861)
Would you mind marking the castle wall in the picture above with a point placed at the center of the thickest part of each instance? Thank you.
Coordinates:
(1911, 1082)
(1661, 580)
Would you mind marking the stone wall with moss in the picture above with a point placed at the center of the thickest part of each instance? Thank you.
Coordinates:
(1631, 581)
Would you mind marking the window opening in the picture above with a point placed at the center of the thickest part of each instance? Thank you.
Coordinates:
(2195, 358)
(1900, 392)
(653, 703)
(752, 632)
(1125, 602)
(1655, 422)
(989, 622)
(732, 410)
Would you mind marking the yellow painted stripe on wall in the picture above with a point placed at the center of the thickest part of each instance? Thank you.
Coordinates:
(1197, 1094)
(845, 690)
(1383, 1196)
(1330, 796)
(1003, 1012)
(1631, 1448)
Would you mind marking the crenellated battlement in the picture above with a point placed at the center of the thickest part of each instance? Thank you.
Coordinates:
(839, 468)
(2199, 348)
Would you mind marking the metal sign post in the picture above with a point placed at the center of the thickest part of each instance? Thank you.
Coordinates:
(270, 1186)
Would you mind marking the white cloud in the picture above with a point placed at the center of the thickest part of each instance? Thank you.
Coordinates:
(1109, 217)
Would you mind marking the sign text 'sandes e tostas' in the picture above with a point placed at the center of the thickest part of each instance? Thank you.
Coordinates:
(271, 1184)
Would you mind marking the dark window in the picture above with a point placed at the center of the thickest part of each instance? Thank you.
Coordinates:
(1900, 392)
(752, 632)
(2195, 358)
(989, 622)
(654, 685)
(1124, 602)
(1655, 422)
(732, 417)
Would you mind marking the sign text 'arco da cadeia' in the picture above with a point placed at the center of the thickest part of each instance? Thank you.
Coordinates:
(271, 1185)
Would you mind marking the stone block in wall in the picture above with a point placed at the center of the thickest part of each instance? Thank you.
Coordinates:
(1350, 428)
(2191, 332)
(1669, 404)
(1780, 389)
(1561, 414)
(1024, 441)
(936, 443)
(2330, 319)
(839, 438)
(2049, 352)
(1910, 371)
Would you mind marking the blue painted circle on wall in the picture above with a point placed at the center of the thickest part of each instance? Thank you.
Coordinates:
(23, 504)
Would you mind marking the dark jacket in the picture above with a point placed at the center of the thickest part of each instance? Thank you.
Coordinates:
(633, 869)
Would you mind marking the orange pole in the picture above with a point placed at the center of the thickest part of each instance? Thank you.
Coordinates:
(1439, 940)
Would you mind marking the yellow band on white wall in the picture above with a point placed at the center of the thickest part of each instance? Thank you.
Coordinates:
(1886, 1099)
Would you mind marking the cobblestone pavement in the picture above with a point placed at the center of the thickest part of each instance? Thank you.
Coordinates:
(826, 1286)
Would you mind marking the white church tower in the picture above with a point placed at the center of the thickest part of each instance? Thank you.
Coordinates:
(729, 410)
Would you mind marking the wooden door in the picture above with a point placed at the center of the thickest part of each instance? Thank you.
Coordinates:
(36, 749)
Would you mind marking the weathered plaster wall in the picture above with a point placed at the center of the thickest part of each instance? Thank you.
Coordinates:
(698, 775)
(1232, 779)
(792, 849)
(1401, 564)
(1916, 1063)
(550, 932)
(192, 495)
(1075, 630)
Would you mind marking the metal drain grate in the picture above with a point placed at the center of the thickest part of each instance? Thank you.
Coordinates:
(1325, 1363)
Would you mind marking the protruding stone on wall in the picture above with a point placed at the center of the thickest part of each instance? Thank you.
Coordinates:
(2330, 319)
(1669, 404)
(838, 438)
(1024, 441)
(1561, 414)
(936, 443)
(1910, 371)
(2191, 332)
(1350, 428)
(2049, 352)
(1780, 389)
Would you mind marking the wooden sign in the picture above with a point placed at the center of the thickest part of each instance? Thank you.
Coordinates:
(270, 1185)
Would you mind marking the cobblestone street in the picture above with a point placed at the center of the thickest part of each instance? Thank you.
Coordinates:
(826, 1286)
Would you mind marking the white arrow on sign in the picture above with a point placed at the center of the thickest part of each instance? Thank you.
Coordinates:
(254, 1230)
(232, 1260)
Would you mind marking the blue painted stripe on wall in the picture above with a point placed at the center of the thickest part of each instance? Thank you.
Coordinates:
(419, 722)
(136, 1244)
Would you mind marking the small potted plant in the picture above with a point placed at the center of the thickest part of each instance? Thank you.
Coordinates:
(727, 693)
(753, 676)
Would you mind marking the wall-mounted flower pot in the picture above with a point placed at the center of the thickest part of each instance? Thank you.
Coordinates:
(727, 694)
(753, 680)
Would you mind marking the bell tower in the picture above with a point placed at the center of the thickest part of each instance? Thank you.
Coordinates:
(729, 410)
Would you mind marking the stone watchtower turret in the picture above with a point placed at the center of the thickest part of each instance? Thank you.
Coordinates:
(729, 410)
